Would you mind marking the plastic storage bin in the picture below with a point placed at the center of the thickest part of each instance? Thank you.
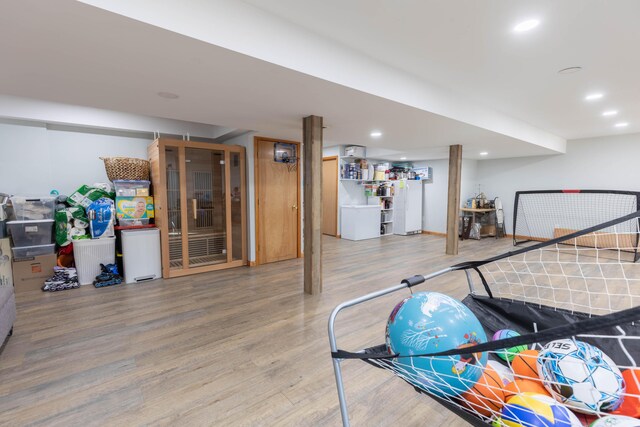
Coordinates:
(127, 188)
(33, 208)
(130, 222)
(89, 254)
(33, 251)
(31, 233)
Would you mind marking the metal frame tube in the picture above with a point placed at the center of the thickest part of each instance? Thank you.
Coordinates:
(472, 288)
(332, 336)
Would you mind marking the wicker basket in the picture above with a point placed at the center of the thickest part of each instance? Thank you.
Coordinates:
(126, 168)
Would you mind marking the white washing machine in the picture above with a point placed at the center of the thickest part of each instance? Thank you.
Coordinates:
(141, 255)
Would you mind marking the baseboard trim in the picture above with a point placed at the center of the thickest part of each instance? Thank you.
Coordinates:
(338, 236)
(528, 238)
(434, 233)
(252, 264)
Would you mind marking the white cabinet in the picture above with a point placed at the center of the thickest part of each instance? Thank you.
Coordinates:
(360, 222)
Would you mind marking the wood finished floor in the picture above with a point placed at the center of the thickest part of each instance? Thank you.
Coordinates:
(241, 347)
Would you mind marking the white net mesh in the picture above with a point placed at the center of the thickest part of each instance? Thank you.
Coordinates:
(594, 273)
(546, 215)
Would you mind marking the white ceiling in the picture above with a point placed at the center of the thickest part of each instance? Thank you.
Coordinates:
(73, 53)
(469, 47)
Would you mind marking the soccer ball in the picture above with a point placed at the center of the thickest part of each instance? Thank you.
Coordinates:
(430, 322)
(580, 376)
(615, 421)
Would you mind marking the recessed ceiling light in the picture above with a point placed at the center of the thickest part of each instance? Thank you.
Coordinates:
(376, 134)
(168, 95)
(403, 158)
(484, 153)
(593, 96)
(527, 25)
(610, 113)
(621, 124)
(570, 70)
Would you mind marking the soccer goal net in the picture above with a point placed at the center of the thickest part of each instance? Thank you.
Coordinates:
(544, 215)
(559, 334)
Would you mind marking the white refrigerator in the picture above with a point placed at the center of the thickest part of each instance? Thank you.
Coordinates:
(407, 207)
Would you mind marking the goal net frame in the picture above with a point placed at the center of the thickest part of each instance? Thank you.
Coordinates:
(568, 211)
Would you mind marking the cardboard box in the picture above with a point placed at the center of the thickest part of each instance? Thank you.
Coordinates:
(29, 274)
(134, 207)
(488, 230)
(599, 239)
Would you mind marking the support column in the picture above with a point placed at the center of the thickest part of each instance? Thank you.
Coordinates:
(453, 204)
(312, 146)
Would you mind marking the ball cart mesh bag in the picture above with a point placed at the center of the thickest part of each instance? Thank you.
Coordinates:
(557, 341)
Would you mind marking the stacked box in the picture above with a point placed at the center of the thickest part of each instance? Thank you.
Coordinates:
(32, 230)
(134, 205)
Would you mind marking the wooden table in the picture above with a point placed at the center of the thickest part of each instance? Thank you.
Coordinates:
(481, 212)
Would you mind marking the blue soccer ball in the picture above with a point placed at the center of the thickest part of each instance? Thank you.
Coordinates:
(430, 322)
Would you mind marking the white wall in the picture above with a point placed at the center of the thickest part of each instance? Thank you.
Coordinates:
(434, 211)
(36, 160)
(609, 163)
(335, 150)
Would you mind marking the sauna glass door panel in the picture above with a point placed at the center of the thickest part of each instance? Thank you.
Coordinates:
(206, 207)
(235, 177)
(174, 217)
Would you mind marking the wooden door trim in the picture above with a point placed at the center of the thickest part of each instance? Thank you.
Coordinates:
(337, 159)
(256, 192)
(160, 199)
(203, 145)
(243, 204)
(299, 222)
(207, 268)
(227, 204)
(256, 188)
